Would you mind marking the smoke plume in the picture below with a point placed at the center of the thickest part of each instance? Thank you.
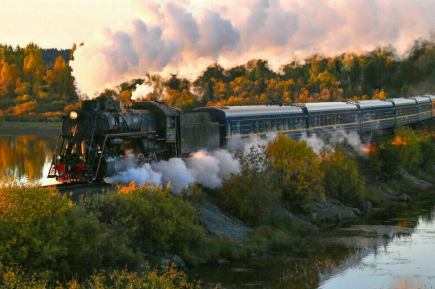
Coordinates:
(339, 136)
(185, 37)
(208, 169)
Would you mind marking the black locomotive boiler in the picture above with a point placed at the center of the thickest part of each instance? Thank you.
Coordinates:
(97, 140)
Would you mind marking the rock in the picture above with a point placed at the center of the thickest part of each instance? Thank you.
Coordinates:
(223, 262)
(168, 259)
(420, 183)
(369, 206)
(218, 224)
(202, 261)
(313, 216)
(339, 217)
(254, 256)
(404, 198)
(356, 211)
(332, 210)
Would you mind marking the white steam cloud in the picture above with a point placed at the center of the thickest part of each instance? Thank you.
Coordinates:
(339, 136)
(141, 91)
(185, 37)
(208, 169)
(242, 146)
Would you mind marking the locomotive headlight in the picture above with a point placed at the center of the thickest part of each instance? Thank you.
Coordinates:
(73, 115)
(58, 157)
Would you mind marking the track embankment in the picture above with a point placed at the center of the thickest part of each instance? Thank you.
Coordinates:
(79, 190)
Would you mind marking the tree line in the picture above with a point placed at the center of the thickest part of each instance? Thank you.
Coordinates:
(377, 74)
(33, 80)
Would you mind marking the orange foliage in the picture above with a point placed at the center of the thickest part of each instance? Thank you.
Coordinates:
(399, 141)
(369, 148)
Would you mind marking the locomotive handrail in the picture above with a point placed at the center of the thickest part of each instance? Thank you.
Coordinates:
(117, 134)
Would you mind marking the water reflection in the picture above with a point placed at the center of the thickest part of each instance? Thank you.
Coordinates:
(26, 158)
(372, 254)
(406, 261)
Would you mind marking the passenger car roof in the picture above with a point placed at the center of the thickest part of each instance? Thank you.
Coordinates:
(251, 110)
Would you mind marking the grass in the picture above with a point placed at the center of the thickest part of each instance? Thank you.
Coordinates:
(30, 118)
(375, 195)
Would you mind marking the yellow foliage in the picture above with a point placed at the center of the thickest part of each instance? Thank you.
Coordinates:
(298, 169)
(380, 95)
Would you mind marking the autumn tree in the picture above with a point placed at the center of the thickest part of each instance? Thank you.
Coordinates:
(297, 168)
(8, 78)
(342, 180)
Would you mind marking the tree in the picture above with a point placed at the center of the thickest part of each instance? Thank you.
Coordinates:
(8, 78)
(60, 77)
(342, 180)
(298, 173)
(33, 69)
(251, 195)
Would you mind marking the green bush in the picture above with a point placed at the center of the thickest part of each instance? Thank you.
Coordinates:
(342, 180)
(406, 145)
(193, 195)
(297, 172)
(41, 231)
(427, 147)
(166, 278)
(265, 239)
(251, 195)
(148, 216)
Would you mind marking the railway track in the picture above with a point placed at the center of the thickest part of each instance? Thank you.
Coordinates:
(78, 190)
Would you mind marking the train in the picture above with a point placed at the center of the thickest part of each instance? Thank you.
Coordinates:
(102, 139)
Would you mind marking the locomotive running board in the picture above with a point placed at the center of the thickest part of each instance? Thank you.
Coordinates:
(115, 135)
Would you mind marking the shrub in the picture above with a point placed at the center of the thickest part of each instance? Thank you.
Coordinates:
(251, 195)
(168, 278)
(406, 146)
(427, 147)
(41, 231)
(148, 215)
(341, 180)
(297, 171)
(384, 162)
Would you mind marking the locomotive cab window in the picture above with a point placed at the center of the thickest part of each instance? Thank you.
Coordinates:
(170, 122)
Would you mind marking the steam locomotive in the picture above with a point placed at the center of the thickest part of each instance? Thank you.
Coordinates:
(97, 140)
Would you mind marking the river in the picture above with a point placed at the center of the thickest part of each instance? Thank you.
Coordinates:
(26, 158)
(389, 248)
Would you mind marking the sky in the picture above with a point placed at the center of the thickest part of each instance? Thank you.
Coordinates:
(57, 23)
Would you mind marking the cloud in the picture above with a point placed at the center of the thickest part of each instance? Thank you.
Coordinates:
(185, 37)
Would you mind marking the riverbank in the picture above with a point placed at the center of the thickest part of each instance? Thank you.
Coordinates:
(337, 237)
(29, 128)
